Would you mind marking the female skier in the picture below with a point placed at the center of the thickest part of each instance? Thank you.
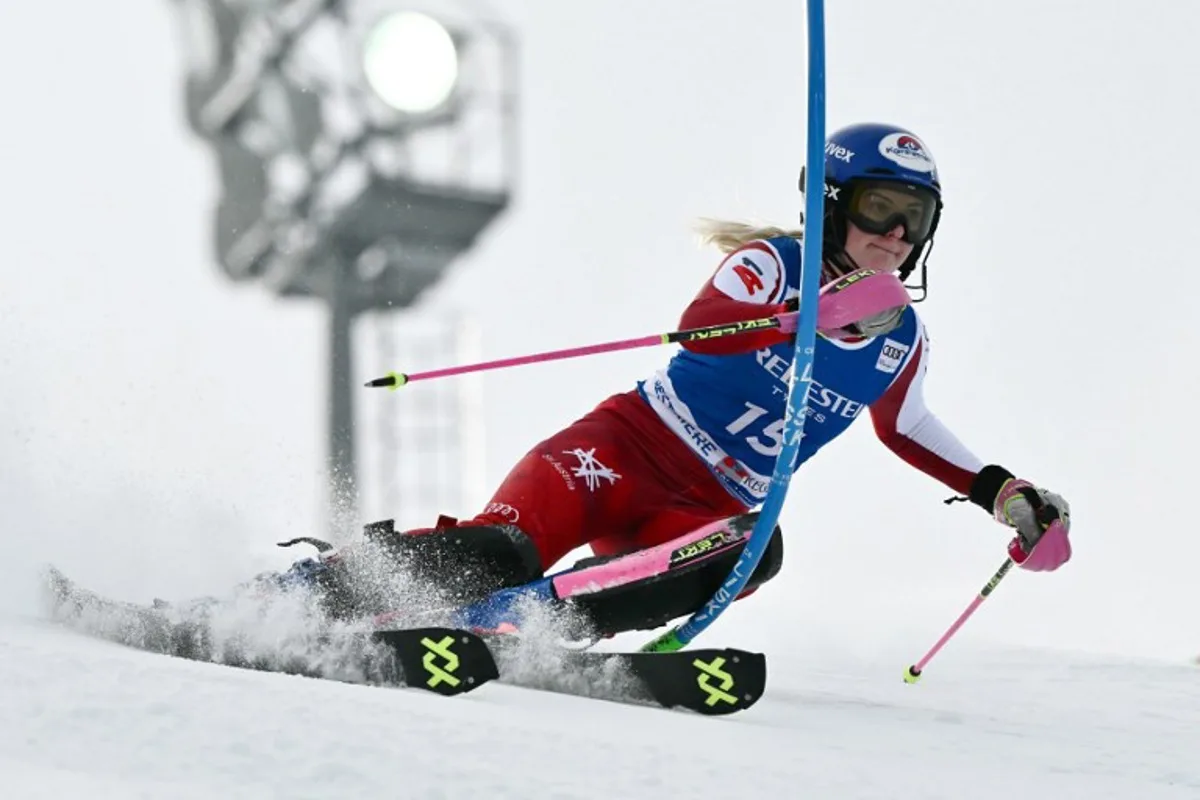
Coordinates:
(661, 481)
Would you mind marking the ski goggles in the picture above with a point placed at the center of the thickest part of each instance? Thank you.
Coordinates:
(879, 206)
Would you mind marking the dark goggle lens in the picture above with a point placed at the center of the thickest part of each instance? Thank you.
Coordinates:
(879, 207)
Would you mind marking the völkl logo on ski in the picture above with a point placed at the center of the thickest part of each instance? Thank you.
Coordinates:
(444, 672)
(713, 669)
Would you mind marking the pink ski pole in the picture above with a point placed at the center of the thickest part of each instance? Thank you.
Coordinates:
(913, 673)
(784, 322)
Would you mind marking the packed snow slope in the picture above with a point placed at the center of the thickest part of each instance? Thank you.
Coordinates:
(84, 718)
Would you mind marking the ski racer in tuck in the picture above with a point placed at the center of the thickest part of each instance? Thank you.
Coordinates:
(662, 480)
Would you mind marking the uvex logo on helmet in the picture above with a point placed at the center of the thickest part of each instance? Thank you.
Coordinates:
(907, 151)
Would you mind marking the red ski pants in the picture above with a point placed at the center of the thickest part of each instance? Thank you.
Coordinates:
(617, 479)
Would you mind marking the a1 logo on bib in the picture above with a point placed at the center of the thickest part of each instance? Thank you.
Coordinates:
(891, 356)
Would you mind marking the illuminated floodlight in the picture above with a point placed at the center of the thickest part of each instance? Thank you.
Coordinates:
(410, 62)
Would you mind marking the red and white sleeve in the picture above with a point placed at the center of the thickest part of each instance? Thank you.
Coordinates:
(911, 431)
(749, 284)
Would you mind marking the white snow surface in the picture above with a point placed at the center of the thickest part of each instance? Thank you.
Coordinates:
(85, 718)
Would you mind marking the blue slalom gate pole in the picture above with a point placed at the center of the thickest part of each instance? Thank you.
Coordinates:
(806, 332)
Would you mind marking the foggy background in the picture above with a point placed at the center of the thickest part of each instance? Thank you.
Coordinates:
(163, 427)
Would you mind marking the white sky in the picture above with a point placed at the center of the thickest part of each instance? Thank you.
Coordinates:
(161, 443)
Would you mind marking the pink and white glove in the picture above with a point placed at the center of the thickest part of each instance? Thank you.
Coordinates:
(1041, 518)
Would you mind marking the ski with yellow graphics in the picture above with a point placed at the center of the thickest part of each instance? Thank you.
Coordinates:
(708, 681)
(444, 660)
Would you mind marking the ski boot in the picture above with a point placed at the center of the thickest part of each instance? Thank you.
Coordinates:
(323, 577)
(447, 566)
(464, 562)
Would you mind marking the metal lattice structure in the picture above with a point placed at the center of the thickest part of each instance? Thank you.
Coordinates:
(334, 187)
(427, 444)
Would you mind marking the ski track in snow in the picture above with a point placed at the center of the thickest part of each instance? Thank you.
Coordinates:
(85, 718)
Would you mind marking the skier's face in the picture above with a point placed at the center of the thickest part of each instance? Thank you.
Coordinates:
(884, 252)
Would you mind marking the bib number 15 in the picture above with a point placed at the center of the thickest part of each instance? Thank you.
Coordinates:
(768, 441)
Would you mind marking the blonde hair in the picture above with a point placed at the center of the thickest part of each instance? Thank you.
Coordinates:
(728, 236)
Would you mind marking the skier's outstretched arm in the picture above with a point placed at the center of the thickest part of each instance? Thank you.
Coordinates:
(906, 425)
(910, 430)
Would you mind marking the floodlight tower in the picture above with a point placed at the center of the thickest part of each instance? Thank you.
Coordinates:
(362, 146)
